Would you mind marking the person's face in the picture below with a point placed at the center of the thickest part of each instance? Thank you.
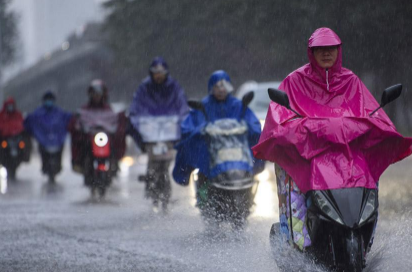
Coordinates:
(159, 78)
(219, 92)
(325, 56)
(96, 97)
(48, 103)
(10, 108)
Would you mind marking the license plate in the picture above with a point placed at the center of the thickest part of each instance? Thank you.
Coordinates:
(230, 154)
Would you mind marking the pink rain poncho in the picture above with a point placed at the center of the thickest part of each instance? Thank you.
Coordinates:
(336, 144)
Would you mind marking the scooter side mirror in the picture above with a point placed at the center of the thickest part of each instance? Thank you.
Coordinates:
(197, 105)
(247, 98)
(390, 94)
(279, 97)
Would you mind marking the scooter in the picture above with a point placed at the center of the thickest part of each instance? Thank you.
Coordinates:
(99, 162)
(229, 195)
(52, 156)
(159, 133)
(14, 150)
(340, 222)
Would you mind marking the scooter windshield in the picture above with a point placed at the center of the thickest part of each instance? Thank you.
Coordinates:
(227, 142)
(158, 128)
(333, 153)
(94, 120)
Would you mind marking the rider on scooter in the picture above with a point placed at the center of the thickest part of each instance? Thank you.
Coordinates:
(48, 124)
(193, 150)
(97, 107)
(158, 95)
(307, 155)
(159, 100)
(12, 128)
(11, 119)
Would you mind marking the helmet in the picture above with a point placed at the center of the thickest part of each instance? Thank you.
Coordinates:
(98, 87)
(217, 76)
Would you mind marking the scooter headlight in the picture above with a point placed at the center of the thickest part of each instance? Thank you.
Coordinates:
(370, 207)
(321, 201)
(262, 123)
(101, 139)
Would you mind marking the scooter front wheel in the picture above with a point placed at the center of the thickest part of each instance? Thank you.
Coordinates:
(102, 191)
(52, 178)
(274, 231)
(354, 253)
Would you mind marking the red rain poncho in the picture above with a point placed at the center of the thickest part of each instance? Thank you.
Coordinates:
(77, 135)
(336, 144)
(11, 123)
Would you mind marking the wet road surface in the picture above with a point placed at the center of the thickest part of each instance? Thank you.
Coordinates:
(60, 228)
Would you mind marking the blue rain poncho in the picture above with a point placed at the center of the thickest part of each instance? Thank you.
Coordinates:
(193, 151)
(48, 125)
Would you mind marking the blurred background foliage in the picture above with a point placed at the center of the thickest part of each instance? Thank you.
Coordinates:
(8, 34)
(262, 40)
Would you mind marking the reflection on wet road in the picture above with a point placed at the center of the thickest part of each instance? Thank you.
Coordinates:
(59, 228)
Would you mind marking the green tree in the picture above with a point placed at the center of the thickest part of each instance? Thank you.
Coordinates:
(262, 40)
(8, 34)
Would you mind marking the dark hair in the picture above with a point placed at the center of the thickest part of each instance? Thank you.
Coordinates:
(49, 95)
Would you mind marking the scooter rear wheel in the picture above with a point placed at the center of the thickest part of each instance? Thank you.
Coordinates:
(11, 172)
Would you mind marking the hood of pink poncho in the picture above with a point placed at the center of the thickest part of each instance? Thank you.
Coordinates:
(336, 144)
